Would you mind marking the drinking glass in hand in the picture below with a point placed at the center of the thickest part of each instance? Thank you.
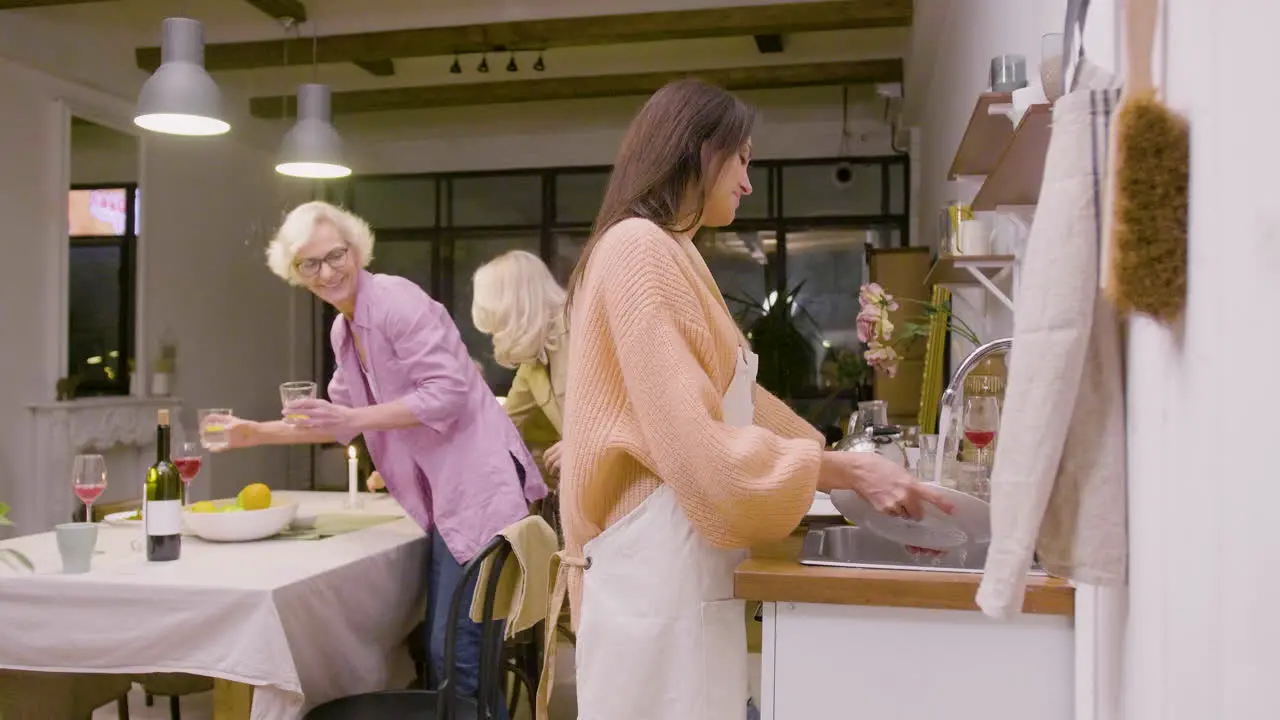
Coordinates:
(188, 460)
(297, 390)
(88, 481)
(213, 434)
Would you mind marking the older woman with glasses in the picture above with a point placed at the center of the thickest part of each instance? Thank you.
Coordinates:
(442, 444)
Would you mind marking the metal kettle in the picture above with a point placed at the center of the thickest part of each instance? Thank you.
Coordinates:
(883, 439)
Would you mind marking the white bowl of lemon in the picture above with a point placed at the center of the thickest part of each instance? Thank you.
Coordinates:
(250, 516)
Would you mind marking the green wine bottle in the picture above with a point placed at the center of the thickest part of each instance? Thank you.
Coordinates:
(162, 514)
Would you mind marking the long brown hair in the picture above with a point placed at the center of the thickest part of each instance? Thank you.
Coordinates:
(672, 153)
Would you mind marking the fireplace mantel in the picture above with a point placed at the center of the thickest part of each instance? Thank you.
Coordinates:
(62, 430)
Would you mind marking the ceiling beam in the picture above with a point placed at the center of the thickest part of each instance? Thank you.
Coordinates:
(559, 32)
(597, 86)
(381, 68)
(282, 9)
(769, 43)
(22, 4)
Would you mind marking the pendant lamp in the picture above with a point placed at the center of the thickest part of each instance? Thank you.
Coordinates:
(180, 98)
(312, 147)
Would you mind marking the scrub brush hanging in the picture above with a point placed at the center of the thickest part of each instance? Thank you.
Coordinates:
(1145, 253)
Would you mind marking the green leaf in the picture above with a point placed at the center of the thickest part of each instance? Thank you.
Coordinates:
(13, 558)
(4, 512)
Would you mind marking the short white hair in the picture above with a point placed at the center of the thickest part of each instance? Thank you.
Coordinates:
(296, 230)
(517, 301)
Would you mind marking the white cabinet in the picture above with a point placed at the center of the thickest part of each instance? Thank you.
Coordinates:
(886, 663)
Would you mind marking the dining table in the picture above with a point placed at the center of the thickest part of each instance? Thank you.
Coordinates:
(280, 624)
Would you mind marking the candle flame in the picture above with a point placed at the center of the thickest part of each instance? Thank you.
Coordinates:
(351, 451)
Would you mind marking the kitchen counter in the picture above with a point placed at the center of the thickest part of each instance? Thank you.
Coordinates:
(774, 574)
(905, 644)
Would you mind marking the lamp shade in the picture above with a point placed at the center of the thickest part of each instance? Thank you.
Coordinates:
(180, 98)
(312, 148)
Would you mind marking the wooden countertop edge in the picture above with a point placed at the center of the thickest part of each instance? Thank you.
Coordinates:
(779, 580)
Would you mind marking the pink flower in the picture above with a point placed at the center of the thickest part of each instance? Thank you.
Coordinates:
(882, 357)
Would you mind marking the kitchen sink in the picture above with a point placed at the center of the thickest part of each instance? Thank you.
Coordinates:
(855, 547)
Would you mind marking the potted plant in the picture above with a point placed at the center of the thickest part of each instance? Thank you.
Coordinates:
(788, 362)
(9, 557)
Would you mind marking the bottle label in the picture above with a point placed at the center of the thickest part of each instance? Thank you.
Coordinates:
(163, 517)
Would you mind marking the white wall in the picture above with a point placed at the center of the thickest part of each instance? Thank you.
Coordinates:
(948, 67)
(1203, 627)
(209, 207)
(101, 155)
(29, 206)
(800, 122)
(1201, 631)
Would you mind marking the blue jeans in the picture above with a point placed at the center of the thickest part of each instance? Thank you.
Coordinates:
(444, 577)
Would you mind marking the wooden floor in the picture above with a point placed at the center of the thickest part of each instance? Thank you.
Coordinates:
(564, 704)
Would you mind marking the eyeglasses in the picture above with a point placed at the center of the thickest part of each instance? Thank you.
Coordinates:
(308, 267)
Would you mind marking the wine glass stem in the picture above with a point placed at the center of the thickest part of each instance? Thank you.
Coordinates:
(88, 512)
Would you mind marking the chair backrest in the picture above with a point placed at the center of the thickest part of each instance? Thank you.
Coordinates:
(491, 633)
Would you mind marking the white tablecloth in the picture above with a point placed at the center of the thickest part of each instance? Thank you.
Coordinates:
(304, 621)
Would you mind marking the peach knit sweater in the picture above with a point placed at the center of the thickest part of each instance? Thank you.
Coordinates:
(652, 350)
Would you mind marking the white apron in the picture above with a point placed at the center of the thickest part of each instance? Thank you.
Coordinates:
(660, 635)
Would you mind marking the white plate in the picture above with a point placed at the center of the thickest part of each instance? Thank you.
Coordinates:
(970, 523)
(822, 507)
(122, 518)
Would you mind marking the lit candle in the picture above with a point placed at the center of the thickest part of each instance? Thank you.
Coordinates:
(351, 475)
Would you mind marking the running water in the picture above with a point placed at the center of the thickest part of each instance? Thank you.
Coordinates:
(944, 424)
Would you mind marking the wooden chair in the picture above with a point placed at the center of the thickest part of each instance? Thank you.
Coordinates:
(443, 703)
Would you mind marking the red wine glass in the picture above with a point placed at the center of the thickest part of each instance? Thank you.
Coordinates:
(88, 481)
(188, 460)
(981, 418)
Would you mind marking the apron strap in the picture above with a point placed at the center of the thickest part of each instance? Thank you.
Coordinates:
(561, 566)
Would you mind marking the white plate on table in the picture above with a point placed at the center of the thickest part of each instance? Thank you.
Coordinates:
(124, 518)
(969, 524)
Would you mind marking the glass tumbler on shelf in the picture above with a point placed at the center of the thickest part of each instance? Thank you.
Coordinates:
(1051, 76)
(294, 391)
(88, 481)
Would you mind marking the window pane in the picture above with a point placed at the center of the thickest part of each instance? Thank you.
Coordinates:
(408, 202)
(756, 205)
(897, 188)
(493, 200)
(831, 265)
(94, 325)
(406, 255)
(469, 253)
(568, 248)
(578, 196)
(833, 189)
(739, 262)
(137, 211)
(97, 213)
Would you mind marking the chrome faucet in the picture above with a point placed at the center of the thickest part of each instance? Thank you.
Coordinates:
(1003, 345)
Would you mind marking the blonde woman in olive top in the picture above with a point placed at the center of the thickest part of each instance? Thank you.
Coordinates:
(518, 302)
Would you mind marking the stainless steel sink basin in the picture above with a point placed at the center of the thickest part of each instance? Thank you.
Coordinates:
(855, 547)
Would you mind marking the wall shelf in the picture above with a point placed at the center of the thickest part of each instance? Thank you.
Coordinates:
(1018, 173)
(970, 270)
(985, 138)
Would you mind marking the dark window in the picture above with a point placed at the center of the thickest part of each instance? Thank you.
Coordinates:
(806, 220)
(104, 229)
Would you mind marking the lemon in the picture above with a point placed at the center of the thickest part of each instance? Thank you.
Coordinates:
(204, 506)
(254, 497)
